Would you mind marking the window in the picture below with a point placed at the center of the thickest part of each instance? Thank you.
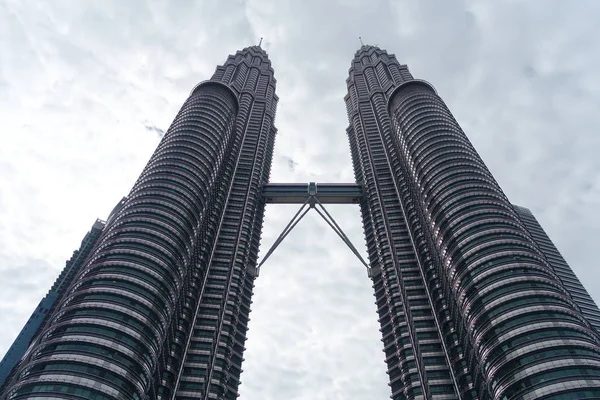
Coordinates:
(547, 376)
(64, 388)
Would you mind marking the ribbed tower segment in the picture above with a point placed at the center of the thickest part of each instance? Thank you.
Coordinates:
(521, 333)
(214, 352)
(123, 328)
(417, 358)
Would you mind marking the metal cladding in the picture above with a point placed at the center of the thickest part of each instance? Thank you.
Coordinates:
(437, 222)
(161, 307)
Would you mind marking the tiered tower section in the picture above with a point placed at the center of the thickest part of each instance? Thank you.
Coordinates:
(416, 354)
(161, 307)
(509, 327)
(518, 328)
(213, 351)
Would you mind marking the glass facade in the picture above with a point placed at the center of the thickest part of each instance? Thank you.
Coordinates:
(160, 309)
(458, 264)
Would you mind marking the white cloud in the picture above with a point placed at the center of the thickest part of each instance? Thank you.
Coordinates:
(80, 83)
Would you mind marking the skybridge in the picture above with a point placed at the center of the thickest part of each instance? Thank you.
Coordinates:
(325, 193)
(313, 195)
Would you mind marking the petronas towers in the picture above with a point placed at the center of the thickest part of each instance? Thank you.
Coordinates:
(473, 299)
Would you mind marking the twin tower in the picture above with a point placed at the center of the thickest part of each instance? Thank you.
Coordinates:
(474, 301)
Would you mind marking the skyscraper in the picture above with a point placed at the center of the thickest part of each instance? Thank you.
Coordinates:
(470, 306)
(473, 299)
(161, 306)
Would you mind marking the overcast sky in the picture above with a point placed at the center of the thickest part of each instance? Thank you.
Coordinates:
(87, 88)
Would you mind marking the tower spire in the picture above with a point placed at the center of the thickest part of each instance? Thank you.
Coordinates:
(361, 42)
(260, 42)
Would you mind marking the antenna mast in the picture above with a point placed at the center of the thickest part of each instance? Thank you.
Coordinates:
(361, 42)
(260, 42)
